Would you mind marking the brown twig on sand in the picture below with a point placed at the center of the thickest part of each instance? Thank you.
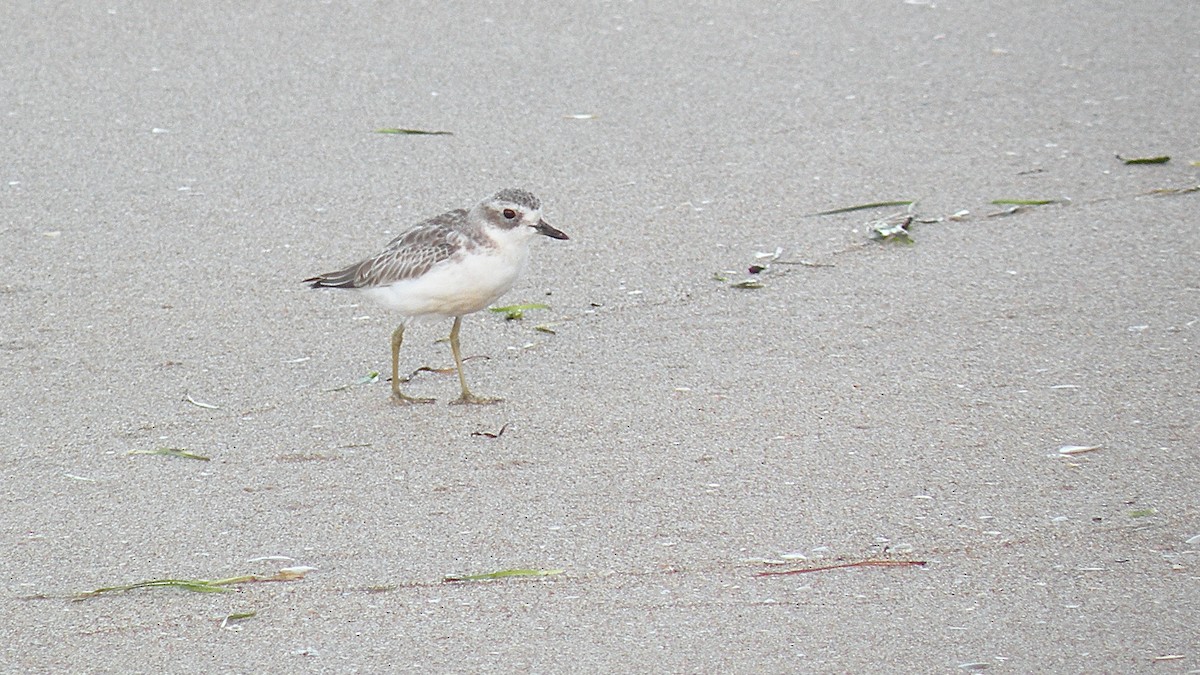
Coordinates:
(860, 563)
(490, 434)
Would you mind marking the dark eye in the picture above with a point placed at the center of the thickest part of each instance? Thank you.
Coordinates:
(510, 214)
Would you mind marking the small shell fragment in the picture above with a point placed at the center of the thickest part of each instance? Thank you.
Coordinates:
(297, 572)
(1077, 449)
(271, 558)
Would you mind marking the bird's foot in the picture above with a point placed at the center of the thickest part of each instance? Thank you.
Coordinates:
(405, 399)
(468, 397)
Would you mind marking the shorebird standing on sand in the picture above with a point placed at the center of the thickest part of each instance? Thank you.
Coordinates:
(448, 266)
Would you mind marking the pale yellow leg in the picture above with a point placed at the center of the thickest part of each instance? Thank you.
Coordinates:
(467, 396)
(397, 397)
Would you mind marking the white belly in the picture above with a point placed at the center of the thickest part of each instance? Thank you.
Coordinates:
(454, 287)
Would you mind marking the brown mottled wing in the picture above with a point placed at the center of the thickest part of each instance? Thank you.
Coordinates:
(411, 254)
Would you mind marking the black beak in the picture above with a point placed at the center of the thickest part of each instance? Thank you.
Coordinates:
(550, 231)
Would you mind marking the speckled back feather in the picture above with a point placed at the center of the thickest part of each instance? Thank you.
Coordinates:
(411, 254)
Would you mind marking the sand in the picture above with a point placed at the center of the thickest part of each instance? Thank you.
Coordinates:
(172, 173)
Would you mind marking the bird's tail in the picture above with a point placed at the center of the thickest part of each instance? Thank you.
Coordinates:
(339, 279)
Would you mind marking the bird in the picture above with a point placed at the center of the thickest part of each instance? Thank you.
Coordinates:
(450, 265)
